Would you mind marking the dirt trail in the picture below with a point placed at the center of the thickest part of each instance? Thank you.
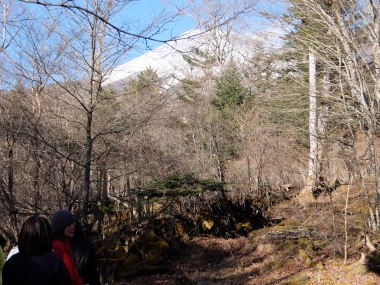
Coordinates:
(204, 260)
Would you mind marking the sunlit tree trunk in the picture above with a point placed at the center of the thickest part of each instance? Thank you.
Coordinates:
(313, 159)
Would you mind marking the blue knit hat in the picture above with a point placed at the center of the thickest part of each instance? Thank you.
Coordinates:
(61, 219)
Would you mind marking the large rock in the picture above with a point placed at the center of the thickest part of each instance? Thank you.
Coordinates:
(103, 252)
(130, 262)
(245, 226)
(304, 257)
(120, 256)
(159, 247)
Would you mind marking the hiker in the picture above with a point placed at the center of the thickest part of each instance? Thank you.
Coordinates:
(63, 225)
(35, 263)
(84, 256)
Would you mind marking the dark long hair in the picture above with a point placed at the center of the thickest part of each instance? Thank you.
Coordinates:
(60, 235)
(35, 236)
(78, 231)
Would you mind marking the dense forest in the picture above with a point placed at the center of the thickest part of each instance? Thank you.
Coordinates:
(238, 134)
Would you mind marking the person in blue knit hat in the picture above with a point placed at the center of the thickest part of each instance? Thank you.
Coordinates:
(63, 225)
(61, 219)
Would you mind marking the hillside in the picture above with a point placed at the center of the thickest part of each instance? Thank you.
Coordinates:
(306, 247)
(210, 260)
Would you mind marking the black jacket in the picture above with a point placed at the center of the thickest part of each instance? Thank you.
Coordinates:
(46, 269)
(20, 270)
(54, 268)
(85, 260)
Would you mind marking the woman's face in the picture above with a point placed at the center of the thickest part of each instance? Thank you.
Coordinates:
(69, 230)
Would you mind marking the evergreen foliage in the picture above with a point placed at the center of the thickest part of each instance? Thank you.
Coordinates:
(199, 58)
(229, 91)
(180, 185)
(146, 81)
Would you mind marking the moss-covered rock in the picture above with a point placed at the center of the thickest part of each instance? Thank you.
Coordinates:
(130, 262)
(207, 224)
(149, 232)
(307, 245)
(289, 246)
(103, 252)
(281, 232)
(245, 226)
(304, 257)
(160, 247)
(319, 266)
(120, 256)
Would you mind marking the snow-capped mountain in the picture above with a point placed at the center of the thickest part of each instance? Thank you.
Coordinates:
(163, 59)
(168, 59)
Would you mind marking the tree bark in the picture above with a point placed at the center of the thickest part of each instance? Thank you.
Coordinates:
(313, 159)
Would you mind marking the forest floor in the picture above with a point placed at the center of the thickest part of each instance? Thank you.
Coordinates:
(210, 260)
(258, 259)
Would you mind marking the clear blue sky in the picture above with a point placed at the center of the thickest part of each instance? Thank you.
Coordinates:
(140, 13)
(144, 11)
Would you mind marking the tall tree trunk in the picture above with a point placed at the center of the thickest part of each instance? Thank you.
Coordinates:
(10, 197)
(322, 119)
(87, 168)
(36, 106)
(313, 159)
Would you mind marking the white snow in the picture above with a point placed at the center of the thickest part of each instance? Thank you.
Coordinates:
(168, 59)
(164, 59)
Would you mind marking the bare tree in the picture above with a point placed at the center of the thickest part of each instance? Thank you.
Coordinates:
(9, 11)
(349, 46)
(32, 60)
(222, 22)
(92, 50)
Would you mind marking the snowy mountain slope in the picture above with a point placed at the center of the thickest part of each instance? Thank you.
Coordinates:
(164, 59)
(168, 59)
